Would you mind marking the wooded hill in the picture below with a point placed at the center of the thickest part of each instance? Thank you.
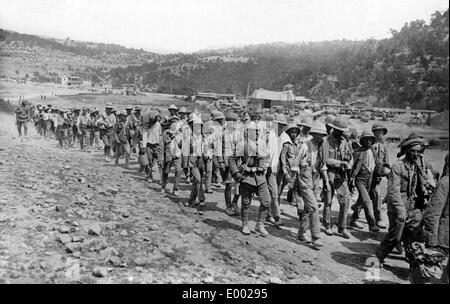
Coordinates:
(408, 69)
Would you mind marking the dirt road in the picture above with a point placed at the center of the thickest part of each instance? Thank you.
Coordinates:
(68, 216)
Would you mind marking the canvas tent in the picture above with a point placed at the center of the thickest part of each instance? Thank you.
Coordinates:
(264, 99)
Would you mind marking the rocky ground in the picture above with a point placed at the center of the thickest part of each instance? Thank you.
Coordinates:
(68, 216)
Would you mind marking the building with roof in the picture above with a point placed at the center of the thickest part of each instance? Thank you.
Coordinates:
(263, 99)
(71, 80)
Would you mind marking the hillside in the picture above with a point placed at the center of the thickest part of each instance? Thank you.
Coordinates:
(408, 69)
(24, 56)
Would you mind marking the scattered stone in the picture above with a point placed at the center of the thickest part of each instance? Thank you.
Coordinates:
(126, 214)
(113, 190)
(94, 229)
(140, 261)
(72, 247)
(50, 201)
(64, 239)
(153, 227)
(274, 280)
(124, 233)
(76, 254)
(64, 229)
(55, 172)
(77, 239)
(100, 272)
(115, 261)
(15, 274)
(82, 180)
(139, 269)
(67, 167)
(208, 280)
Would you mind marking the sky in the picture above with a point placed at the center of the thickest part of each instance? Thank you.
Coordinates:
(168, 26)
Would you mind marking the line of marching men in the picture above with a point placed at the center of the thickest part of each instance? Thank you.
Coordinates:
(259, 157)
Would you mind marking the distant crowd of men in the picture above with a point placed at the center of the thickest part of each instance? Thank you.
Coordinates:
(258, 157)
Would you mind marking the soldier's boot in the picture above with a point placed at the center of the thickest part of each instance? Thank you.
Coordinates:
(244, 216)
(235, 206)
(260, 228)
(354, 224)
(329, 230)
(201, 207)
(127, 161)
(316, 242)
(344, 233)
(301, 235)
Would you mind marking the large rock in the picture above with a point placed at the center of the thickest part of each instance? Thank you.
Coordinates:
(100, 272)
(94, 229)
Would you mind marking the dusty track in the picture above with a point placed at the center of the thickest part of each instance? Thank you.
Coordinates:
(64, 213)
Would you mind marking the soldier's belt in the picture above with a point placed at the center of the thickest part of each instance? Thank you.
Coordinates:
(253, 170)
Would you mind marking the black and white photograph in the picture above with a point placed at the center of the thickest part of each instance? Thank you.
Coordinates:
(214, 143)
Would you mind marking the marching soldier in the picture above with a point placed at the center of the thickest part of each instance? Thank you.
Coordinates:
(196, 163)
(288, 145)
(303, 194)
(171, 147)
(75, 132)
(94, 129)
(82, 126)
(362, 178)
(274, 147)
(121, 136)
(106, 124)
(232, 136)
(338, 158)
(151, 143)
(402, 194)
(184, 115)
(253, 155)
(23, 117)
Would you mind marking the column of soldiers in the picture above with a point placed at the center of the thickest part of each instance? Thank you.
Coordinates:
(258, 157)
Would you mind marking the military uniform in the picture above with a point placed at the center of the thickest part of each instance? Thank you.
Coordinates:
(23, 116)
(251, 176)
(171, 148)
(363, 177)
(401, 196)
(232, 136)
(121, 137)
(106, 125)
(335, 151)
(82, 125)
(303, 194)
(196, 166)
